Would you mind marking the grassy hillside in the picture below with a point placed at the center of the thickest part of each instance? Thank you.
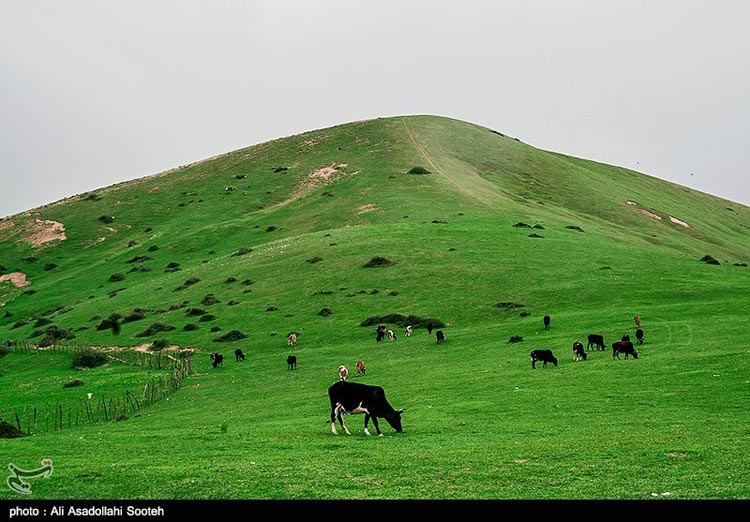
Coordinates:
(272, 234)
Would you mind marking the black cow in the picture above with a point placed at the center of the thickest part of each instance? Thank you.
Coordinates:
(353, 397)
(429, 329)
(380, 333)
(625, 347)
(625, 338)
(238, 355)
(291, 362)
(596, 341)
(639, 336)
(440, 336)
(578, 353)
(217, 359)
(546, 322)
(542, 355)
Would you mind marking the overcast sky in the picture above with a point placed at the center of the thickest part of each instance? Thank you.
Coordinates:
(97, 92)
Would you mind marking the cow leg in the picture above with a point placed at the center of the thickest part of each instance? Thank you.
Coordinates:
(367, 419)
(377, 427)
(533, 363)
(340, 414)
(333, 421)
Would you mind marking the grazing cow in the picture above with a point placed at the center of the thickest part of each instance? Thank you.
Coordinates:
(639, 336)
(546, 322)
(597, 341)
(354, 397)
(391, 335)
(360, 367)
(291, 362)
(291, 339)
(625, 347)
(440, 336)
(343, 373)
(542, 355)
(380, 333)
(637, 319)
(217, 359)
(578, 353)
(625, 338)
(408, 331)
(238, 355)
(429, 329)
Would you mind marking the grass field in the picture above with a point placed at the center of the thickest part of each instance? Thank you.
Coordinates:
(479, 422)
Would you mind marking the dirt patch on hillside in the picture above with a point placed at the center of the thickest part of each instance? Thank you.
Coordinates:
(111, 229)
(367, 207)
(5, 225)
(45, 230)
(649, 214)
(17, 279)
(317, 178)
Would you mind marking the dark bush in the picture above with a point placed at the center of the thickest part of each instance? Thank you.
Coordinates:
(148, 229)
(242, 251)
(19, 324)
(132, 243)
(280, 169)
(172, 267)
(88, 358)
(158, 344)
(521, 224)
(42, 321)
(574, 227)
(73, 383)
(30, 259)
(515, 339)
(325, 312)
(106, 219)
(233, 302)
(378, 261)
(323, 292)
(508, 305)
(139, 259)
(153, 248)
(234, 335)
(135, 315)
(206, 318)
(122, 417)
(210, 299)
(116, 277)
(54, 334)
(240, 176)
(271, 228)
(155, 328)
(4, 350)
(605, 268)
(536, 235)
(50, 266)
(710, 260)
(215, 329)
(231, 280)
(740, 264)
(539, 227)
(525, 313)
(374, 291)
(190, 327)
(314, 260)
(30, 291)
(248, 282)
(403, 321)
(188, 282)
(418, 170)
(9, 431)
(192, 312)
(272, 309)
(140, 268)
(95, 317)
(393, 293)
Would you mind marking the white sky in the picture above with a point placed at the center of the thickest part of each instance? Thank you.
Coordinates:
(97, 92)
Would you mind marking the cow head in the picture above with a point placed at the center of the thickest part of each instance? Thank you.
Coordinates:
(635, 354)
(554, 360)
(394, 419)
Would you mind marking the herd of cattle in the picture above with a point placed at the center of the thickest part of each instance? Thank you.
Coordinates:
(351, 398)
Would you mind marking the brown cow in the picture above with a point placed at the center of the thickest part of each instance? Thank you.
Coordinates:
(360, 367)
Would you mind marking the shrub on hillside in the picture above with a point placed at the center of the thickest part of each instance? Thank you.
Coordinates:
(188, 282)
(88, 358)
(156, 328)
(231, 279)
(271, 228)
(272, 309)
(515, 339)
(135, 315)
(536, 235)
(139, 259)
(73, 383)
(116, 277)
(234, 335)
(574, 227)
(325, 312)
(55, 334)
(418, 170)
(710, 260)
(508, 305)
(192, 312)
(210, 299)
(19, 324)
(248, 282)
(206, 318)
(158, 344)
(42, 321)
(521, 224)
(403, 320)
(314, 260)
(378, 261)
(4, 350)
(190, 327)
(242, 251)
(9, 431)
(50, 266)
(106, 219)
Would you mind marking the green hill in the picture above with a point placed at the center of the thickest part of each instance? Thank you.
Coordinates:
(263, 239)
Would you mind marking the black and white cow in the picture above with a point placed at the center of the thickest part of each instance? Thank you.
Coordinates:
(597, 341)
(440, 336)
(542, 355)
(639, 336)
(354, 397)
(238, 355)
(578, 352)
(625, 347)
(217, 359)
